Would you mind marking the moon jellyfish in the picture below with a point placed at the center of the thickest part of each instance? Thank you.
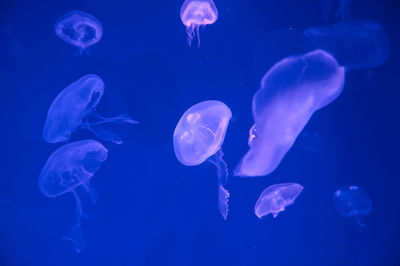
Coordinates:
(196, 13)
(72, 109)
(355, 43)
(68, 168)
(274, 199)
(79, 29)
(198, 137)
(352, 201)
(291, 91)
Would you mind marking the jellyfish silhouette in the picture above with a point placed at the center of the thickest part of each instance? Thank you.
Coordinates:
(352, 201)
(198, 137)
(69, 167)
(72, 109)
(291, 91)
(339, 9)
(355, 43)
(196, 13)
(274, 199)
(79, 29)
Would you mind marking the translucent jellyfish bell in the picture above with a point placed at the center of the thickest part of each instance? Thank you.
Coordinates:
(291, 91)
(79, 29)
(196, 13)
(69, 167)
(72, 108)
(352, 201)
(198, 137)
(274, 199)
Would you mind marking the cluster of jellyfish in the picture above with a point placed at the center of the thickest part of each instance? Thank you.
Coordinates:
(70, 168)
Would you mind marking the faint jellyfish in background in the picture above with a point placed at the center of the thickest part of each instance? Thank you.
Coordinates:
(198, 137)
(196, 13)
(291, 91)
(79, 29)
(352, 201)
(336, 9)
(72, 109)
(274, 199)
(355, 43)
(69, 167)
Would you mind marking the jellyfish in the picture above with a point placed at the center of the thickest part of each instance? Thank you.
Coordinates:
(352, 201)
(79, 29)
(275, 198)
(198, 137)
(68, 168)
(72, 109)
(196, 13)
(291, 91)
(343, 9)
(355, 43)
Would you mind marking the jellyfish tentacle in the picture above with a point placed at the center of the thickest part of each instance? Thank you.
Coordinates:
(106, 135)
(120, 119)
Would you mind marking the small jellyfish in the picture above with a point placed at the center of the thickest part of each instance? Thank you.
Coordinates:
(69, 167)
(198, 137)
(196, 13)
(275, 198)
(291, 91)
(355, 43)
(79, 29)
(352, 201)
(72, 108)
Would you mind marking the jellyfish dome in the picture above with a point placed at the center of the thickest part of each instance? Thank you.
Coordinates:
(274, 199)
(352, 201)
(79, 29)
(71, 109)
(196, 13)
(198, 137)
(291, 91)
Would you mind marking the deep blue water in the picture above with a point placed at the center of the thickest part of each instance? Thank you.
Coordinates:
(152, 210)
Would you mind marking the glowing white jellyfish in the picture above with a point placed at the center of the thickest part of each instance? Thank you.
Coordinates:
(196, 13)
(198, 137)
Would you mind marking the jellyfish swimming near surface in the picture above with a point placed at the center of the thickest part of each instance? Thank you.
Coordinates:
(72, 109)
(355, 43)
(68, 168)
(291, 91)
(198, 137)
(274, 199)
(352, 201)
(79, 29)
(196, 13)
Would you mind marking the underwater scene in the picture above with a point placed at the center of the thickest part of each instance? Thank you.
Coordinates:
(199, 132)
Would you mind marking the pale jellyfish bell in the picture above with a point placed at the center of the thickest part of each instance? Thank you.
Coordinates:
(198, 137)
(196, 13)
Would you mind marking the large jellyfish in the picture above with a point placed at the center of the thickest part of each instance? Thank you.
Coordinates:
(72, 109)
(70, 167)
(275, 198)
(355, 43)
(352, 201)
(198, 137)
(79, 29)
(196, 13)
(291, 91)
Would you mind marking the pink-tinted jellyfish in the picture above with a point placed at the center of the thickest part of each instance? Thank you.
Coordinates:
(72, 108)
(274, 199)
(291, 91)
(198, 137)
(79, 29)
(68, 168)
(196, 13)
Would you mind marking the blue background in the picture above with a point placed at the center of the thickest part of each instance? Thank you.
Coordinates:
(151, 209)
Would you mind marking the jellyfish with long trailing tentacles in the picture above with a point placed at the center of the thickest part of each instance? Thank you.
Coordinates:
(68, 168)
(198, 137)
(79, 29)
(352, 201)
(74, 106)
(291, 91)
(196, 13)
